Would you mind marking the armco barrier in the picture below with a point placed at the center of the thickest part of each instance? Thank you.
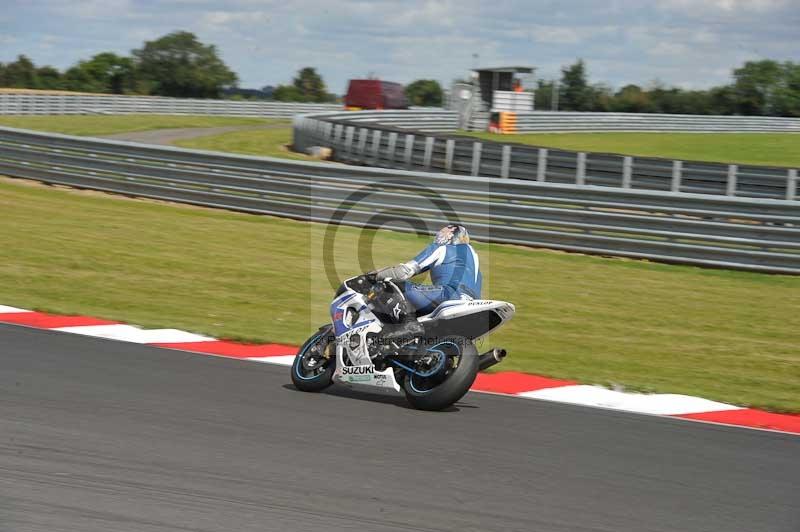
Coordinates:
(420, 119)
(721, 231)
(564, 121)
(375, 139)
(52, 104)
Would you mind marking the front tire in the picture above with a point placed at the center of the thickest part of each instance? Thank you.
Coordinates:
(310, 371)
(442, 389)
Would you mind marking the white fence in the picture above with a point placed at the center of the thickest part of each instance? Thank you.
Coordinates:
(49, 104)
(563, 121)
(424, 119)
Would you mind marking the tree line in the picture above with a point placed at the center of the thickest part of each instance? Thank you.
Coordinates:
(179, 65)
(176, 64)
(760, 88)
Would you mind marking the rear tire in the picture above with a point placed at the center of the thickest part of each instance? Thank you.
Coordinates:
(456, 384)
(319, 378)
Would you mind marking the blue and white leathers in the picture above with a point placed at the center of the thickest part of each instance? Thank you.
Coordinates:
(455, 273)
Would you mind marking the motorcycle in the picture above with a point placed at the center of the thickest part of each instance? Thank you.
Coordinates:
(434, 366)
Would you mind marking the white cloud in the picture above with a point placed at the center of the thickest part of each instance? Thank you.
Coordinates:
(266, 41)
(556, 35)
(727, 6)
(674, 49)
(93, 9)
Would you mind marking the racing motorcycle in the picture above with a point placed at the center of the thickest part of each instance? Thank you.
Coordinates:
(434, 366)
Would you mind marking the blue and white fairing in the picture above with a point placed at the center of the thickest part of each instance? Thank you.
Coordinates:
(349, 312)
(352, 321)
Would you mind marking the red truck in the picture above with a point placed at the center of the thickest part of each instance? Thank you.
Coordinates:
(374, 94)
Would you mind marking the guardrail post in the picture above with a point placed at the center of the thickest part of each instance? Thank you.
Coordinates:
(337, 135)
(505, 163)
(409, 150)
(362, 142)
(348, 139)
(428, 152)
(541, 165)
(331, 137)
(340, 137)
(580, 171)
(791, 184)
(390, 155)
(376, 145)
(450, 148)
(677, 175)
(627, 172)
(731, 188)
(476, 157)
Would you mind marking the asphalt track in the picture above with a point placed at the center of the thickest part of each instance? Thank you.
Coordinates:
(98, 435)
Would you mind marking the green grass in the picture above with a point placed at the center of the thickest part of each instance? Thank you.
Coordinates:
(774, 149)
(729, 336)
(266, 142)
(96, 125)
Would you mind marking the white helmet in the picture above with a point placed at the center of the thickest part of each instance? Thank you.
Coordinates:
(452, 234)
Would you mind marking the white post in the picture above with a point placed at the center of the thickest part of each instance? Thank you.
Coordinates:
(476, 157)
(677, 175)
(337, 134)
(348, 142)
(580, 173)
(541, 166)
(791, 184)
(409, 149)
(428, 152)
(376, 145)
(450, 147)
(505, 165)
(391, 146)
(627, 172)
(731, 188)
(362, 142)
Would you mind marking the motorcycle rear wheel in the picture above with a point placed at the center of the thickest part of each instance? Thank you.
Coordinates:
(444, 388)
(310, 372)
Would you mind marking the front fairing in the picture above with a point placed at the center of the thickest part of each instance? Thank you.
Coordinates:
(353, 321)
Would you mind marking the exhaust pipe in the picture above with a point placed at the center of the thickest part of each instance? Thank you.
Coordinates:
(490, 358)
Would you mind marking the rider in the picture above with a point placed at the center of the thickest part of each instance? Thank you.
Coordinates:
(454, 269)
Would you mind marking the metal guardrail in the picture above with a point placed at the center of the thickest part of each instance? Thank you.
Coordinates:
(375, 140)
(719, 231)
(426, 119)
(49, 104)
(57, 104)
(574, 121)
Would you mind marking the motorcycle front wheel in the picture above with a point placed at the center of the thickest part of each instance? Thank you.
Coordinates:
(311, 370)
(444, 376)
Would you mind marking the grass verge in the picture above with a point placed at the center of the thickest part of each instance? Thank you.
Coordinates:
(98, 125)
(729, 336)
(266, 142)
(775, 149)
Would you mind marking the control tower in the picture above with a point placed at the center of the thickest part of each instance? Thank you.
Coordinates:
(492, 81)
(493, 98)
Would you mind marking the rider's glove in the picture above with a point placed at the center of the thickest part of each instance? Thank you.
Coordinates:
(401, 272)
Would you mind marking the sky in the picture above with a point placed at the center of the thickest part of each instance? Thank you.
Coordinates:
(688, 43)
